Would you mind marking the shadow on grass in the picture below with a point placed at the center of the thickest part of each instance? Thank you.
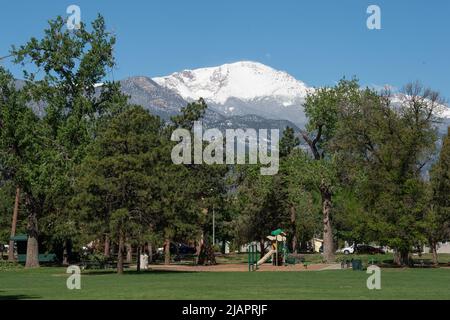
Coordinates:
(133, 272)
(17, 296)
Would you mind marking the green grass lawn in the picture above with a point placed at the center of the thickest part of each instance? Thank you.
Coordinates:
(318, 258)
(50, 283)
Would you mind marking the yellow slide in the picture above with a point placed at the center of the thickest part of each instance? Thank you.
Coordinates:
(266, 257)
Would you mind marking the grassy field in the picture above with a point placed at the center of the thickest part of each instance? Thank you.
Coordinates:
(50, 283)
(444, 258)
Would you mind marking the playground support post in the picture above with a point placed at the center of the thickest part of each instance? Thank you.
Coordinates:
(252, 257)
(249, 257)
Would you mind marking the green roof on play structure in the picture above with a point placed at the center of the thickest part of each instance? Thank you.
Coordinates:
(276, 232)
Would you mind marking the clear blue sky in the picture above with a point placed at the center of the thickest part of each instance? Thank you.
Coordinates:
(315, 41)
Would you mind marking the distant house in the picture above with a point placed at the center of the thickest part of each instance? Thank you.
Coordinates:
(443, 247)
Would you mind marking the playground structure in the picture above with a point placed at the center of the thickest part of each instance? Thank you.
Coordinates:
(278, 251)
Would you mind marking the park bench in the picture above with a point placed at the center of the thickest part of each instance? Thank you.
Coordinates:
(101, 265)
(43, 258)
(421, 263)
(186, 257)
(291, 259)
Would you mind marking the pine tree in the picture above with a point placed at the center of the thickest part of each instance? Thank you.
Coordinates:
(288, 142)
(118, 189)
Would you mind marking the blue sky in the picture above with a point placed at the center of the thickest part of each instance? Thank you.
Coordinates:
(318, 42)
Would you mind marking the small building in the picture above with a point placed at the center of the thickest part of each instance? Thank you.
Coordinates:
(442, 247)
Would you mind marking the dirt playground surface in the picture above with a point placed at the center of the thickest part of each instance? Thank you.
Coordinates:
(239, 268)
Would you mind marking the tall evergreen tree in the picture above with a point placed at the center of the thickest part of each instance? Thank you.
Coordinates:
(203, 191)
(117, 185)
(288, 142)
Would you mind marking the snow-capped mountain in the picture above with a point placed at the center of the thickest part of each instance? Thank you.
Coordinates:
(242, 88)
(243, 94)
(166, 102)
(446, 113)
(441, 111)
(249, 88)
(243, 80)
(147, 93)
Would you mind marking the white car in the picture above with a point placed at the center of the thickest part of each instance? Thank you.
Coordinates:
(347, 250)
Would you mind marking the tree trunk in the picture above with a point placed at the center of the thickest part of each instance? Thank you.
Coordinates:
(65, 261)
(167, 251)
(107, 248)
(32, 259)
(328, 243)
(129, 253)
(397, 257)
(206, 255)
(404, 254)
(138, 260)
(150, 253)
(294, 229)
(120, 253)
(14, 225)
(210, 254)
(199, 249)
(261, 245)
(433, 247)
(401, 257)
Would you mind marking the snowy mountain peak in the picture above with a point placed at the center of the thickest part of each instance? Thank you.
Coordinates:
(244, 80)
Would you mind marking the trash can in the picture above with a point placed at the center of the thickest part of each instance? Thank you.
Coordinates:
(356, 264)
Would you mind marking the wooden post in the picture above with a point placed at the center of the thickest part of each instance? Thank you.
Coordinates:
(14, 225)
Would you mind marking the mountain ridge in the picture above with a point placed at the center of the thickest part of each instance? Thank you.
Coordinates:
(242, 88)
